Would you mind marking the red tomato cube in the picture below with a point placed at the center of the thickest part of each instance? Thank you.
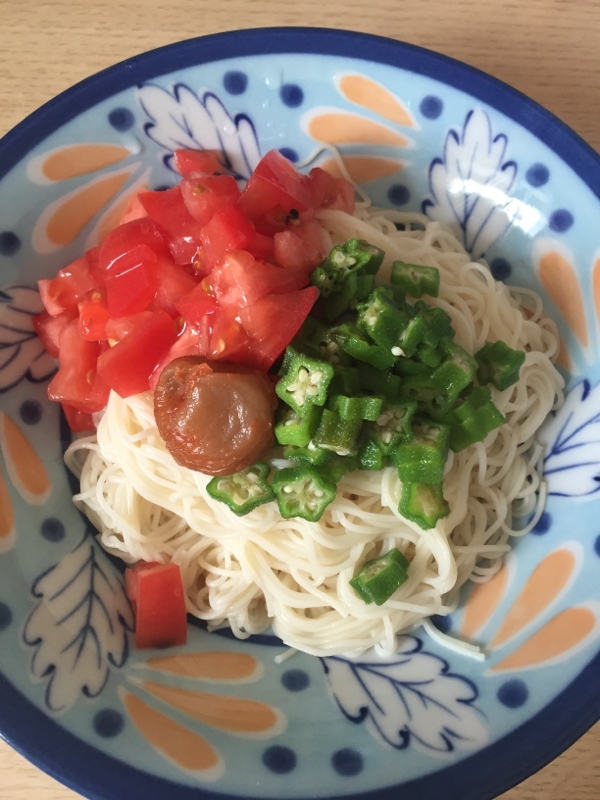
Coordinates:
(63, 292)
(204, 161)
(205, 195)
(158, 598)
(77, 382)
(130, 285)
(275, 181)
(93, 316)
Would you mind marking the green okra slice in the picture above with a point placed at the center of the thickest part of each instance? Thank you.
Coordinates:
(423, 503)
(303, 491)
(499, 364)
(304, 382)
(243, 491)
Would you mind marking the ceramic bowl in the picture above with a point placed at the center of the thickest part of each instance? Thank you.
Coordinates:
(219, 717)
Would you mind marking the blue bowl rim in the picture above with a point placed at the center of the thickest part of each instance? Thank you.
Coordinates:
(99, 776)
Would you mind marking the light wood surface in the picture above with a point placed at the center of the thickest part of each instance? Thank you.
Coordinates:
(549, 49)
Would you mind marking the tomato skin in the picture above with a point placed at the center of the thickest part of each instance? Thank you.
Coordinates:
(228, 340)
(275, 181)
(77, 382)
(93, 316)
(130, 284)
(205, 195)
(341, 197)
(274, 320)
(49, 328)
(194, 340)
(158, 600)
(63, 292)
(125, 238)
(168, 211)
(261, 247)
(128, 366)
(134, 209)
(204, 161)
(289, 250)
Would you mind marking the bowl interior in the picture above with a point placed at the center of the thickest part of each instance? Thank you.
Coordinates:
(418, 132)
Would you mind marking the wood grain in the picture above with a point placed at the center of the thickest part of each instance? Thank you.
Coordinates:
(548, 49)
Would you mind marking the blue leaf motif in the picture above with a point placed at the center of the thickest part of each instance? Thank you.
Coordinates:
(470, 185)
(187, 120)
(79, 626)
(410, 698)
(22, 355)
(572, 441)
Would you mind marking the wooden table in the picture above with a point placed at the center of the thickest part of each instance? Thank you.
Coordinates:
(549, 49)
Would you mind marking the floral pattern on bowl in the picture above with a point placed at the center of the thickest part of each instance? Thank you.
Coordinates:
(417, 143)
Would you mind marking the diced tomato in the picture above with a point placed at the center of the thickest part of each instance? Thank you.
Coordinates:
(79, 421)
(172, 283)
(274, 320)
(117, 329)
(93, 316)
(240, 280)
(193, 341)
(128, 366)
(229, 229)
(320, 184)
(130, 284)
(49, 328)
(311, 231)
(158, 599)
(272, 222)
(261, 247)
(275, 181)
(228, 339)
(205, 195)
(340, 197)
(195, 305)
(170, 214)
(125, 238)
(204, 161)
(134, 209)
(289, 250)
(68, 287)
(77, 382)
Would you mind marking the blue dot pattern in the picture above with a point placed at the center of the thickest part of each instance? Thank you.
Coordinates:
(9, 243)
(537, 175)
(431, 107)
(561, 220)
(597, 546)
(290, 154)
(543, 524)
(5, 616)
(108, 723)
(513, 694)
(295, 680)
(121, 119)
(280, 760)
(30, 412)
(235, 82)
(501, 269)
(347, 762)
(398, 194)
(291, 95)
(53, 530)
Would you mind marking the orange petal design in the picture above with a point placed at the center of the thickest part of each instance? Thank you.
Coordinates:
(363, 168)
(564, 632)
(482, 603)
(232, 714)
(212, 666)
(25, 469)
(7, 518)
(560, 281)
(343, 128)
(544, 585)
(596, 286)
(80, 159)
(188, 750)
(365, 92)
(563, 358)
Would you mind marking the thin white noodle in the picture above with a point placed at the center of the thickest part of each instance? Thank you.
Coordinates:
(260, 570)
